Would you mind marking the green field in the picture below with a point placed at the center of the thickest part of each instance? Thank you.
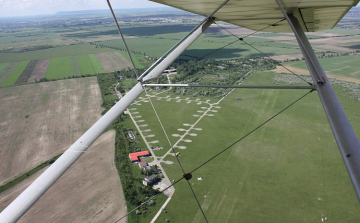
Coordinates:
(3, 66)
(75, 69)
(86, 65)
(96, 64)
(59, 68)
(347, 66)
(11, 79)
(155, 45)
(290, 170)
(63, 51)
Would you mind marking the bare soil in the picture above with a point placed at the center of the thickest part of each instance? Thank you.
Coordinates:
(39, 121)
(113, 61)
(90, 191)
(335, 44)
(300, 71)
(39, 71)
(286, 57)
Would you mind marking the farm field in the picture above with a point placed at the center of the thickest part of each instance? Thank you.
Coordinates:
(14, 75)
(61, 51)
(289, 170)
(346, 66)
(154, 41)
(39, 121)
(112, 61)
(92, 182)
(60, 68)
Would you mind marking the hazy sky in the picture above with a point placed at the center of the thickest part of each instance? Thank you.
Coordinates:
(36, 7)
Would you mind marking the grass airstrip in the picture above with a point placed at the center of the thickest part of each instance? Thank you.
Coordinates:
(289, 170)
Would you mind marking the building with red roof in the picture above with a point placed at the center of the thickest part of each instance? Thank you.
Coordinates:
(134, 157)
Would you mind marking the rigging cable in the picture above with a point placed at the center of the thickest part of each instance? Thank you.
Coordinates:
(252, 131)
(123, 39)
(145, 202)
(185, 175)
(216, 155)
(265, 55)
(238, 39)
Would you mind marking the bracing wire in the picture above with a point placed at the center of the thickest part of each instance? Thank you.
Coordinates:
(216, 155)
(252, 131)
(123, 39)
(145, 202)
(265, 55)
(162, 127)
(177, 158)
(238, 38)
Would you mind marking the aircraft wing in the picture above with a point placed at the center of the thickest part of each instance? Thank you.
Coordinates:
(314, 15)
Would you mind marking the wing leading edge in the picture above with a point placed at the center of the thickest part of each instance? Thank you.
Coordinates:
(314, 15)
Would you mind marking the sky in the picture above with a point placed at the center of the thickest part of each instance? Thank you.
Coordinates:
(10, 8)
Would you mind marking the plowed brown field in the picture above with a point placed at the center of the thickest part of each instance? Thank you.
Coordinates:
(90, 191)
(39, 121)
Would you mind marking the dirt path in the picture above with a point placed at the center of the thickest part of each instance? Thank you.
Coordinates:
(280, 69)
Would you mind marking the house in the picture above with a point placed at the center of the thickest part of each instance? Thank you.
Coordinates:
(150, 180)
(134, 157)
(143, 164)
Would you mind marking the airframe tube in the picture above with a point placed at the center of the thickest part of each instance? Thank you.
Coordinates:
(230, 86)
(27, 198)
(344, 133)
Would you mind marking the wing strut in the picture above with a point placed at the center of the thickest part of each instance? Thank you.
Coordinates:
(30, 195)
(344, 133)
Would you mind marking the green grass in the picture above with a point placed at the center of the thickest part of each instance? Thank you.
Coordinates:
(276, 174)
(75, 69)
(86, 67)
(11, 79)
(59, 68)
(343, 31)
(347, 66)
(3, 66)
(178, 110)
(136, 59)
(96, 64)
(63, 51)
(157, 45)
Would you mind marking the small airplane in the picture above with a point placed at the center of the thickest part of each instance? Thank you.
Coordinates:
(279, 16)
